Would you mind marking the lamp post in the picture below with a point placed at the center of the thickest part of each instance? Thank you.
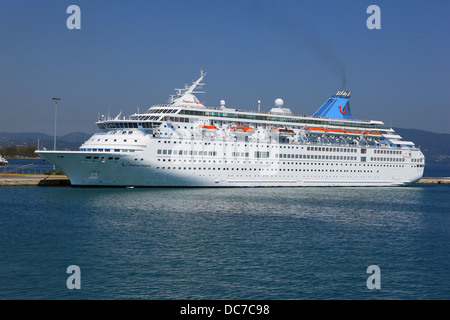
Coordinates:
(54, 136)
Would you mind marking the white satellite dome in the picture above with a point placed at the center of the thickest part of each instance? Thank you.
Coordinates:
(279, 102)
(279, 107)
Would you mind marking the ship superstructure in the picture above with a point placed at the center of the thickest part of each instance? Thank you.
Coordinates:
(186, 144)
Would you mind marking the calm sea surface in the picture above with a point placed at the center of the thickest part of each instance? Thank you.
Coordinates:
(262, 243)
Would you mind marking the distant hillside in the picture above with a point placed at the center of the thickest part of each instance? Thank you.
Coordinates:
(435, 146)
(71, 141)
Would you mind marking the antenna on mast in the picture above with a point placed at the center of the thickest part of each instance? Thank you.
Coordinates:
(185, 96)
(190, 89)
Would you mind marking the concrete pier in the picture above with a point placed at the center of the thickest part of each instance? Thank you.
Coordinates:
(27, 180)
(16, 180)
(444, 180)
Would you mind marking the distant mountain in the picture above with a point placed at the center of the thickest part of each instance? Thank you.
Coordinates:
(71, 141)
(435, 146)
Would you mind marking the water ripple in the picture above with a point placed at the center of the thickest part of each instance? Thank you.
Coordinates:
(281, 243)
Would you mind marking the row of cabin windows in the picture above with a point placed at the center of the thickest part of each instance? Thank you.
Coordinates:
(130, 125)
(163, 111)
(289, 163)
(330, 149)
(261, 154)
(387, 152)
(314, 156)
(187, 152)
(387, 159)
(179, 119)
(265, 169)
(115, 140)
(106, 150)
(309, 148)
(229, 144)
(259, 145)
(102, 158)
(257, 154)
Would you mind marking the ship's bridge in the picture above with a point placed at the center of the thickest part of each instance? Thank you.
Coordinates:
(185, 97)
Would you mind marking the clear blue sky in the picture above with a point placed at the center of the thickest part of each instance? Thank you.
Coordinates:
(131, 54)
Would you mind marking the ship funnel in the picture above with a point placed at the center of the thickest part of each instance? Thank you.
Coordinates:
(337, 106)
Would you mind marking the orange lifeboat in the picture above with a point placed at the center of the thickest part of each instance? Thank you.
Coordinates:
(354, 133)
(315, 130)
(334, 132)
(242, 130)
(208, 128)
(372, 134)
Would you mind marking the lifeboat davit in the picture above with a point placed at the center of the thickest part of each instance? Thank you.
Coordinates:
(242, 130)
(334, 132)
(208, 128)
(315, 130)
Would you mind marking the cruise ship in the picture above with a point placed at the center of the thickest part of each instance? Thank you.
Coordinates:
(186, 144)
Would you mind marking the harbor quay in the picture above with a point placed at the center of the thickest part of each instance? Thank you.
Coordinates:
(425, 180)
(26, 180)
(17, 180)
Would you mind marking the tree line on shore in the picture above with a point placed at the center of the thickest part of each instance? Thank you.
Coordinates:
(13, 151)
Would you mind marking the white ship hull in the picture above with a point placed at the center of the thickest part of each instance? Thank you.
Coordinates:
(148, 169)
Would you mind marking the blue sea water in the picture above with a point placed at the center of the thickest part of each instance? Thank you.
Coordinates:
(252, 243)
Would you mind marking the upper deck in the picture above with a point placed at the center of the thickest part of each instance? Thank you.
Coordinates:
(185, 108)
(161, 113)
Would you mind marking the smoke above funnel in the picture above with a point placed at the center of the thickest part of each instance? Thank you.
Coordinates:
(324, 52)
(306, 37)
